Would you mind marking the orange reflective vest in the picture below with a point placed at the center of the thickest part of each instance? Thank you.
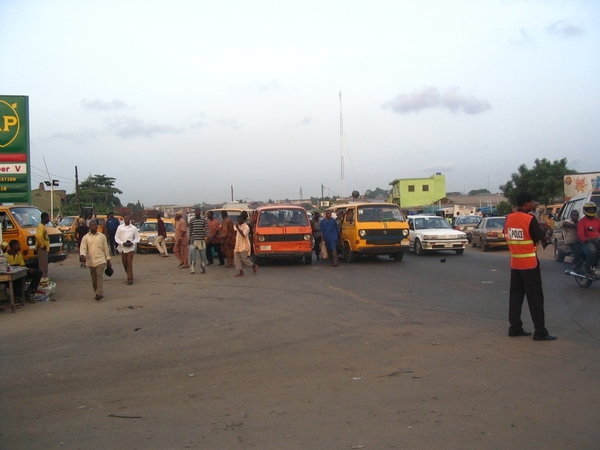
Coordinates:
(520, 243)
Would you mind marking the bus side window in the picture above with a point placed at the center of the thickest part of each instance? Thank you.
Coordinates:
(7, 224)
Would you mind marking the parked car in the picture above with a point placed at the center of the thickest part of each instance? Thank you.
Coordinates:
(466, 224)
(149, 232)
(433, 233)
(489, 233)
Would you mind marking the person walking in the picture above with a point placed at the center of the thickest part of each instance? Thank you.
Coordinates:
(127, 236)
(242, 247)
(42, 244)
(316, 232)
(214, 240)
(95, 252)
(227, 238)
(161, 236)
(81, 230)
(198, 231)
(180, 249)
(330, 233)
(110, 228)
(14, 257)
(523, 233)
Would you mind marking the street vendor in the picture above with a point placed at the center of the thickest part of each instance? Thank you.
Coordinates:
(15, 258)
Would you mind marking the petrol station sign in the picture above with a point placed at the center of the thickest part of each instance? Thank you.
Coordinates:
(15, 179)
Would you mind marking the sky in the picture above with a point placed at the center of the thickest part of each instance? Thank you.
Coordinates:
(180, 101)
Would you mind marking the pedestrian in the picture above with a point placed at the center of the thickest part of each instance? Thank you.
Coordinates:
(14, 257)
(213, 242)
(127, 236)
(110, 228)
(588, 232)
(242, 247)
(316, 232)
(523, 233)
(81, 230)
(198, 232)
(569, 231)
(330, 233)
(227, 238)
(180, 249)
(95, 252)
(42, 244)
(161, 236)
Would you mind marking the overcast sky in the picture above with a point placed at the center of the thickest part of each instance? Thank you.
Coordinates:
(180, 100)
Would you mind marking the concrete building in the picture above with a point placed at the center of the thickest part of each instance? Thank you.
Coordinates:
(412, 192)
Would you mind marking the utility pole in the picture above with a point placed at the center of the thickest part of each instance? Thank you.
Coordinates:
(77, 191)
(300, 192)
(232, 193)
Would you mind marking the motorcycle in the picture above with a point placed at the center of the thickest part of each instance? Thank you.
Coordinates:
(582, 277)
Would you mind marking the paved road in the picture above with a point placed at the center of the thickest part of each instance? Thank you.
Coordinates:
(377, 354)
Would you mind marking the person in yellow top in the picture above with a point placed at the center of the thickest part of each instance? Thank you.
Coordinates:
(95, 253)
(15, 258)
(42, 244)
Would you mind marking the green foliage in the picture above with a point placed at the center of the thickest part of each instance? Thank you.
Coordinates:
(135, 207)
(503, 208)
(544, 181)
(479, 192)
(97, 191)
(378, 192)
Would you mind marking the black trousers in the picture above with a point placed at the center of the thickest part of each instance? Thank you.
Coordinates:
(526, 283)
(111, 241)
(209, 252)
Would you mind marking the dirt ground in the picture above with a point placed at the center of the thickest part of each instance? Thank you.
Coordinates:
(294, 357)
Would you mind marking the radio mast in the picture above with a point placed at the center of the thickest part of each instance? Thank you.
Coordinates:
(341, 148)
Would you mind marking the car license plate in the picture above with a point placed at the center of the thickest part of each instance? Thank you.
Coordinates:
(265, 247)
(405, 242)
(448, 245)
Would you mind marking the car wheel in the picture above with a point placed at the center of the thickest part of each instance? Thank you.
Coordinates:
(398, 256)
(138, 250)
(558, 255)
(258, 260)
(419, 248)
(308, 260)
(348, 253)
(459, 251)
(484, 247)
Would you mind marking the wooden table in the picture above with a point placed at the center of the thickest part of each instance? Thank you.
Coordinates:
(10, 277)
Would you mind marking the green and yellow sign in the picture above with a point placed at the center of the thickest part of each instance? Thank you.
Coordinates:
(15, 179)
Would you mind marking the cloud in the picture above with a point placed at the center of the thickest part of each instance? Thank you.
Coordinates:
(523, 38)
(104, 106)
(306, 120)
(446, 167)
(80, 137)
(229, 122)
(564, 29)
(132, 127)
(431, 97)
(263, 87)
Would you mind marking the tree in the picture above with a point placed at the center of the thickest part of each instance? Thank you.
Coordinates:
(378, 192)
(544, 181)
(98, 191)
(503, 208)
(479, 192)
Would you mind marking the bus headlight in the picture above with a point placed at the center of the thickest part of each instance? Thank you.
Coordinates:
(307, 237)
(261, 239)
(362, 233)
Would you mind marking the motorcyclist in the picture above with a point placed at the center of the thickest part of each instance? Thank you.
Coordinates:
(588, 231)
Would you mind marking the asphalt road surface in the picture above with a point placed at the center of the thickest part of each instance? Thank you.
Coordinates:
(371, 355)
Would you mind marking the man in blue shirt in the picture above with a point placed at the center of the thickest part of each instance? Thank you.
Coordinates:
(111, 225)
(330, 232)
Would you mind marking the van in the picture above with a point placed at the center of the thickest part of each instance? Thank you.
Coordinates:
(561, 250)
(20, 222)
(281, 232)
(232, 213)
(371, 229)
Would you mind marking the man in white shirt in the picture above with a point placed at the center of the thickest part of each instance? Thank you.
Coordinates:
(127, 236)
(95, 253)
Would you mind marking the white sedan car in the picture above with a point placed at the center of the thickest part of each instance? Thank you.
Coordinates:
(434, 233)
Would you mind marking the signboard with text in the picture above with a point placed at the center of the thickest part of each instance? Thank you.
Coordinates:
(15, 179)
(581, 183)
